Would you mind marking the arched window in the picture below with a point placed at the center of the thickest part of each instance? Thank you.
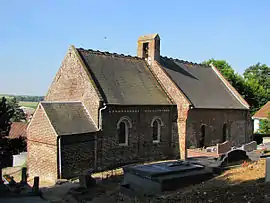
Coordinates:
(122, 133)
(225, 132)
(123, 126)
(156, 129)
(202, 138)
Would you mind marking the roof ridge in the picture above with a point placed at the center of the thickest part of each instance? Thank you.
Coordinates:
(106, 53)
(59, 102)
(185, 61)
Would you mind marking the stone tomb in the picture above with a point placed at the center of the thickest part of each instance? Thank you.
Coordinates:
(158, 177)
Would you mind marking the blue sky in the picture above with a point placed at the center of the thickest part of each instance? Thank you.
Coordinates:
(35, 35)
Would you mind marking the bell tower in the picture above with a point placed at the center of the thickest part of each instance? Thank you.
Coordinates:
(149, 47)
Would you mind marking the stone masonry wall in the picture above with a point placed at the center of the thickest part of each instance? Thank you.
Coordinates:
(72, 83)
(237, 121)
(41, 147)
(182, 105)
(77, 154)
(140, 144)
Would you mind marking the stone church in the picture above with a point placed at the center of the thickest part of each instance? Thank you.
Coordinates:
(104, 110)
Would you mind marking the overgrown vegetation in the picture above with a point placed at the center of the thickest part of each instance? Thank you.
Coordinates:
(254, 85)
(265, 125)
(18, 114)
(10, 112)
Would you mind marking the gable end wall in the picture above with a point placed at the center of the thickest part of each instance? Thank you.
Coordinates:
(41, 147)
(73, 83)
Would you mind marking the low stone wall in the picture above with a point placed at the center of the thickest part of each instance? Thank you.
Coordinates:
(19, 159)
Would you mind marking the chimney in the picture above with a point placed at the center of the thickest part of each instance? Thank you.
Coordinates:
(149, 47)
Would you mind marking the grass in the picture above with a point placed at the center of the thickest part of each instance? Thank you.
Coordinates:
(28, 104)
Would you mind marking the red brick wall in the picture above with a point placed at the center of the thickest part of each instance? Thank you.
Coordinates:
(41, 147)
(182, 105)
(240, 123)
(213, 119)
(72, 83)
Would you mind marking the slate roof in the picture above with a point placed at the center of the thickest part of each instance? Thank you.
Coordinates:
(69, 117)
(17, 130)
(263, 112)
(123, 80)
(200, 84)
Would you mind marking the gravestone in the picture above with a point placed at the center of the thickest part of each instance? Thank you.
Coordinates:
(224, 147)
(234, 157)
(249, 146)
(35, 188)
(24, 176)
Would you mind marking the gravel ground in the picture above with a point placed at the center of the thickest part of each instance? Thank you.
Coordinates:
(242, 184)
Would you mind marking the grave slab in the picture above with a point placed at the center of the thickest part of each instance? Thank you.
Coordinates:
(155, 178)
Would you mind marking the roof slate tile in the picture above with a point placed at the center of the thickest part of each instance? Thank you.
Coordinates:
(200, 84)
(124, 80)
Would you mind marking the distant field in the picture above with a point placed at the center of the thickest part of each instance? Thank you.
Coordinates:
(28, 104)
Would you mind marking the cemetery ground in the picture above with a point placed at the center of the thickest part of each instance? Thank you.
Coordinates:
(244, 183)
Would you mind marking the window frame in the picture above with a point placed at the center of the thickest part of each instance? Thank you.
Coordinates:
(202, 135)
(160, 124)
(128, 125)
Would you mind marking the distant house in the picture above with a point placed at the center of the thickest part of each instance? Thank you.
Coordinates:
(105, 110)
(17, 137)
(17, 130)
(28, 111)
(260, 115)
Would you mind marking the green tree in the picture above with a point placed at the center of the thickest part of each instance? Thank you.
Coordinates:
(18, 114)
(260, 73)
(265, 125)
(6, 114)
(258, 78)
(9, 112)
